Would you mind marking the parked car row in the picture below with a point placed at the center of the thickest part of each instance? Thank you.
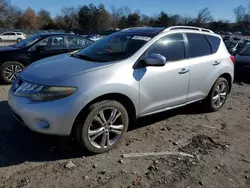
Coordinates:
(240, 48)
(235, 44)
(95, 93)
(14, 58)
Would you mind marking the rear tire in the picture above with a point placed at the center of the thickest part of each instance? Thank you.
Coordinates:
(218, 95)
(9, 70)
(19, 40)
(1, 40)
(103, 126)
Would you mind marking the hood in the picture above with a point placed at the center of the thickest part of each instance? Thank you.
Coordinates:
(242, 59)
(52, 70)
(8, 49)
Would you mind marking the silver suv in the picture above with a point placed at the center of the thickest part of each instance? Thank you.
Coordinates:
(96, 93)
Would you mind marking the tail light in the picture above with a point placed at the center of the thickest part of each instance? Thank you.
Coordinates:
(232, 58)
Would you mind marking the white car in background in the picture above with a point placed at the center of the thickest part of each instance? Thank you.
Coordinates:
(12, 36)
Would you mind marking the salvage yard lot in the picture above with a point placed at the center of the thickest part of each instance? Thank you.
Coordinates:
(219, 141)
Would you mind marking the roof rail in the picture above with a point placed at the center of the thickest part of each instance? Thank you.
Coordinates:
(188, 27)
(134, 28)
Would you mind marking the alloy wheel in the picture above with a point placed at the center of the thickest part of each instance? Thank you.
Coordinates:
(106, 128)
(220, 95)
(12, 71)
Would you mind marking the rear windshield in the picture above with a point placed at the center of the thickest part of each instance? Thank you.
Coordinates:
(114, 47)
(245, 51)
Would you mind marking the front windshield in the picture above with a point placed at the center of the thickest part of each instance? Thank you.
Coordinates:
(28, 42)
(114, 47)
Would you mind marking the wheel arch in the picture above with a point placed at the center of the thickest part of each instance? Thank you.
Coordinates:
(123, 99)
(229, 79)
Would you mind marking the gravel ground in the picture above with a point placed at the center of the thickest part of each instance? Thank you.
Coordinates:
(219, 141)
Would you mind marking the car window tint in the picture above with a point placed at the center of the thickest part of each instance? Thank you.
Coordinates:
(19, 33)
(6, 34)
(214, 42)
(77, 42)
(53, 43)
(12, 34)
(172, 47)
(198, 45)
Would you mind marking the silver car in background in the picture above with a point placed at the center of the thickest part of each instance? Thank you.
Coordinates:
(96, 93)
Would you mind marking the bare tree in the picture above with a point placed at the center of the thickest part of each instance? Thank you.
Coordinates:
(240, 13)
(70, 17)
(13, 17)
(43, 18)
(204, 16)
(116, 14)
(3, 5)
(3, 8)
(186, 20)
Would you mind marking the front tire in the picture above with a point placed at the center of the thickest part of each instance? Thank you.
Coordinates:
(103, 127)
(9, 70)
(218, 95)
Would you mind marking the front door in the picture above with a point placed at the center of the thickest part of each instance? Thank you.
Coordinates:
(48, 47)
(165, 87)
(12, 36)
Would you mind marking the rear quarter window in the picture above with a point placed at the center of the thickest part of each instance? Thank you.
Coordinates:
(214, 43)
(198, 45)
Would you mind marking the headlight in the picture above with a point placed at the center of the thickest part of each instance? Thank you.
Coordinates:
(52, 93)
(41, 93)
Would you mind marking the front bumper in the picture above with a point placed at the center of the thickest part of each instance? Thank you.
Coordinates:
(51, 117)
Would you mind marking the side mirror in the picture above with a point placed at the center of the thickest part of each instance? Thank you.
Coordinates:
(40, 48)
(155, 60)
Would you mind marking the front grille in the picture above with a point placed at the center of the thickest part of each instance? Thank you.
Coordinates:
(18, 117)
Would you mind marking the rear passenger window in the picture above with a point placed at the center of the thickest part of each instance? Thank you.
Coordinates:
(198, 45)
(172, 47)
(214, 42)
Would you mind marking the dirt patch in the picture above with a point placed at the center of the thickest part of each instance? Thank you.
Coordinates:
(201, 144)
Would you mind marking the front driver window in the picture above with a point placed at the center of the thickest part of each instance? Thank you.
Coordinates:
(172, 47)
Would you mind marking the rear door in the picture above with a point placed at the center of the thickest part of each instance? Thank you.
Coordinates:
(205, 65)
(75, 43)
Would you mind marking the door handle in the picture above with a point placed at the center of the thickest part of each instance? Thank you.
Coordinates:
(216, 63)
(183, 71)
